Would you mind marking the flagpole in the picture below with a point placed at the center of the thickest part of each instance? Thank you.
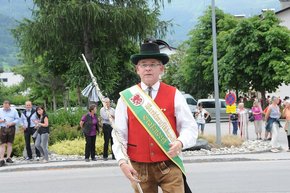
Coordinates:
(115, 132)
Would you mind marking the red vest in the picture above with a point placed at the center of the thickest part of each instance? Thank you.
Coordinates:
(141, 146)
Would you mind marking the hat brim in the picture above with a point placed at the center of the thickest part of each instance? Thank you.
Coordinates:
(161, 56)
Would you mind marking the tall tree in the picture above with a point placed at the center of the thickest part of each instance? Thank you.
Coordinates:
(196, 68)
(257, 55)
(105, 31)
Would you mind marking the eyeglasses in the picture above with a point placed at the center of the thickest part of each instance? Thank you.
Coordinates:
(149, 65)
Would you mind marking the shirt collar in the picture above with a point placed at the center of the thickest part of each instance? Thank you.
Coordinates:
(7, 110)
(155, 86)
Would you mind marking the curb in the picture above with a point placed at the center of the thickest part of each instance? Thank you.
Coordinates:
(70, 164)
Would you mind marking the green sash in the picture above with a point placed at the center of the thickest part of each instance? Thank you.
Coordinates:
(152, 119)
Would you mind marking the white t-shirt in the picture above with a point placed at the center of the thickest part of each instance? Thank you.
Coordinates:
(200, 116)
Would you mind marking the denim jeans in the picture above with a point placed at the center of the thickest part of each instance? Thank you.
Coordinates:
(41, 143)
(235, 127)
(270, 122)
(201, 126)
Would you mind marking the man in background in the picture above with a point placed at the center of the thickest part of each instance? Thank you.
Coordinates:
(107, 127)
(27, 120)
(8, 119)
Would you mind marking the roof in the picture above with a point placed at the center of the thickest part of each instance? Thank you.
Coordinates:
(282, 10)
(209, 100)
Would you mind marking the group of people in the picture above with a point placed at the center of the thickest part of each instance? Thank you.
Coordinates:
(153, 125)
(272, 115)
(34, 123)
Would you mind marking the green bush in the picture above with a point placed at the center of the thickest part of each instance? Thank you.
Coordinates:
(65, 117)
(64, 132)
(76, 146)
(18, 144)
(248, 104)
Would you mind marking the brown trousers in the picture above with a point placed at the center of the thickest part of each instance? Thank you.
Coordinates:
(166, 175)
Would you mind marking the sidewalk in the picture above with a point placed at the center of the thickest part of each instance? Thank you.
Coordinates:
(34, 165)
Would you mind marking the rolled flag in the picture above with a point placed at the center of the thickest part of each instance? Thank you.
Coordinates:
(91, 92)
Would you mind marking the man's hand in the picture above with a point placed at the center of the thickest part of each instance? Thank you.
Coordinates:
(129, 172)
(175, 148)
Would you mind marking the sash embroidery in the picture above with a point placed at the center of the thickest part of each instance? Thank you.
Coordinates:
(152, 119)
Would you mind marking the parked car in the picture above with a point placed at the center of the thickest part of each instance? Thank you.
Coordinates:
(71, 109)
(191, 102)
(209, 106)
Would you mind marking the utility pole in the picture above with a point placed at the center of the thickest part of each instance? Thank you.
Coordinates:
(216, 86)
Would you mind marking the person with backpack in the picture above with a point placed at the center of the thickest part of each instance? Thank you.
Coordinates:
(27, 121)
(89, 124)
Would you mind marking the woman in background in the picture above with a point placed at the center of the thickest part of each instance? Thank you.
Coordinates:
(273, 123)
(41, 141)
(201, 115)
(89, 124)
(286, 114)
(258, 118)
(243, 121)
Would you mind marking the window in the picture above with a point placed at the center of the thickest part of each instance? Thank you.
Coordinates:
(223, 104)
(208, 104)
(3, 79)
(190, 101)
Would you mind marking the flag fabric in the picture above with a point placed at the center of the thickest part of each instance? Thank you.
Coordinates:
(91, 92)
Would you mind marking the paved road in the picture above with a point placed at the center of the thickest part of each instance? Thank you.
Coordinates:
(215, 177)
(226, 128)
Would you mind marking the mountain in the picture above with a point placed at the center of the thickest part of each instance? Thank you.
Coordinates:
(10, 12)
(183, 14)
(8, 48)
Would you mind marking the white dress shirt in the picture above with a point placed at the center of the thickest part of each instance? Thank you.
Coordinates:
(103, 113)
(185, 123)
(23, 119)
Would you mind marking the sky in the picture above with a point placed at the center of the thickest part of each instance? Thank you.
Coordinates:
(184, 13)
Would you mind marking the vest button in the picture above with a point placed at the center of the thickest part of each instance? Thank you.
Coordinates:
(151, 144)
(152, 153)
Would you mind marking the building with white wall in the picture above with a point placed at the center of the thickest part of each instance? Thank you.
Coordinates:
(284, 16)
(10, 79)
(284, 13)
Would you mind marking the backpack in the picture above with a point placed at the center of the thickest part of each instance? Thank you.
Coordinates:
(28, 117)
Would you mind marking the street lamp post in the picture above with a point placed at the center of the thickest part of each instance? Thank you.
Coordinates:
(216, 86)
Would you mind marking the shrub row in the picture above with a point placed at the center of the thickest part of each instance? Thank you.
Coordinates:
(76, 146)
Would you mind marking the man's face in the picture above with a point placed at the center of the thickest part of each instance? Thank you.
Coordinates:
(28, 105)
(149, 70)
(6, 105)
(107, 103)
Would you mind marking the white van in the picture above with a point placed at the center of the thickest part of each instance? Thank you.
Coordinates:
(209, 105)
(191, 102)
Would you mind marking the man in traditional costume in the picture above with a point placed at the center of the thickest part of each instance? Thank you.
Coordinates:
(154, 124)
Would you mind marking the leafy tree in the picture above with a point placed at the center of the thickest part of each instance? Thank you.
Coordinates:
(196, 69)
(257, 55)
(105, 31)
(171, 75)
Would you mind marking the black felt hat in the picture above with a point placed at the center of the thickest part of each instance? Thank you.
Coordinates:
(150, 50)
